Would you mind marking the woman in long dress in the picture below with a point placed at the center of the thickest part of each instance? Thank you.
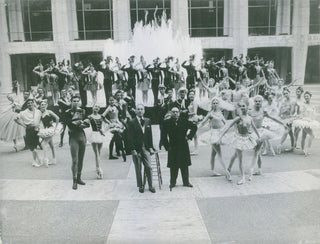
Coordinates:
(216, 124)
(9, 130)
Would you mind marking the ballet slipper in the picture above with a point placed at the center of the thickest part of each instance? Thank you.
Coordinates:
(214, 173)
(228, 175)
(259, 172)
(242, 181)
(250, 175)
(99, 173)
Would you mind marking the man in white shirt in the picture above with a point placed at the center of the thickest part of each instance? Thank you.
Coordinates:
(30, 119)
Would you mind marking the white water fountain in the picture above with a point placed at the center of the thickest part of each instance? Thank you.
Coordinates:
(152, 40)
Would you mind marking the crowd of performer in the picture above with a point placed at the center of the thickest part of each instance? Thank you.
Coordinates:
(242, 102)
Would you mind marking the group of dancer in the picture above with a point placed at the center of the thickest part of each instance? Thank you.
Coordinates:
(246, 104)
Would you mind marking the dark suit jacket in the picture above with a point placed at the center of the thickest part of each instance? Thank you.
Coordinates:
(136, 137)
(175, 141)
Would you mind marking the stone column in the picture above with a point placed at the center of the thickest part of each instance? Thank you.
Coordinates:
(227, 18)
(72, 19)
(60, 13)
(15, 20)
(179, 16)
(5, 63)
(121, 20)
(283, 17)
(300, 32)
(240, 27)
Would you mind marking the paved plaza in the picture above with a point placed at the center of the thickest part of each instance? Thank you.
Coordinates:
(39, 206)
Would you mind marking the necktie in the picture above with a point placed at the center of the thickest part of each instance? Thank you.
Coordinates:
(142, 122)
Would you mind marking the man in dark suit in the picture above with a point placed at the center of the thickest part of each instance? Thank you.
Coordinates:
(177, 130)
(141, 146)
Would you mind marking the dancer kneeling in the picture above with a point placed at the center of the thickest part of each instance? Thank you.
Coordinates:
(216, 123)
(242, 139)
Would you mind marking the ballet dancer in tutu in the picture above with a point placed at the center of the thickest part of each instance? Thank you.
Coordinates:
(306, 122)
(9, 130)
(242, 138)
(285, 114)
(96, 137)
(258, 114)
(216, 123)
(48, 125)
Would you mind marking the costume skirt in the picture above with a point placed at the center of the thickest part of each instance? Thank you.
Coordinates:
(46, 132)
(91, 86)
(144, 85)
(96, 137)
(211, 136)
(242, 142)
(306, 123)
(9, 129)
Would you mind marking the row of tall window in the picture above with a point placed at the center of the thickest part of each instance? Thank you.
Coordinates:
(31, 20)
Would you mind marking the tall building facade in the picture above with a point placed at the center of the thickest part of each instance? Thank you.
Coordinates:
(286, 31)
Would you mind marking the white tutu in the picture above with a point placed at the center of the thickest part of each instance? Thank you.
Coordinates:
(206, 105)
(306, 123)
(46, 132)
(211, 136)
(96, 137)
(9, 129)
(241, 142)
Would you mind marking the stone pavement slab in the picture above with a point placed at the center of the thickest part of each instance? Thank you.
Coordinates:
(56, 222)
(204, 187)
(158, 221)
(275, 218)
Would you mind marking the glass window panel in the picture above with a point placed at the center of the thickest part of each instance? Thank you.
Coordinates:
(259, 16)
(314, 25)
(96, 4)
(220, 17)
(204, 32)
(40, 21)
(258, 3)
(150, 4)
(80, 20)
(203, 18)
(97, 20)
(36, 5)
(78, 4)
(167, 3)
(202, 3)
(98, 35)
(133, 18)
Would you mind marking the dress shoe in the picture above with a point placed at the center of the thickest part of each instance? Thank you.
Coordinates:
(80, 182)
(112, 157)
(141, 189)
(171, 186)
(152, 189)
(188, 185)
(75, 185)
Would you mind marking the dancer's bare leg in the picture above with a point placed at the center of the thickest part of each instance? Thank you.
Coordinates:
(233, 158)
(243, 180)
(217, 148)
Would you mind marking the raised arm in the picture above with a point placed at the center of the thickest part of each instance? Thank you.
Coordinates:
(228, 128)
